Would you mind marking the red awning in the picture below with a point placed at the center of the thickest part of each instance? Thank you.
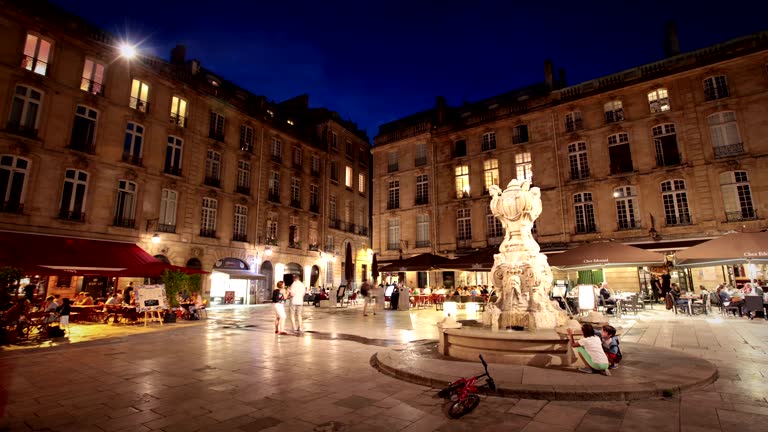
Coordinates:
(56, 255)
(155, 270)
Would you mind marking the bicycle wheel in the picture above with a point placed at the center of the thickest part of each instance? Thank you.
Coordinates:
(460, 408)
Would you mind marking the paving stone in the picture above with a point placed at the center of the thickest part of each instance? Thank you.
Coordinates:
(355, 402)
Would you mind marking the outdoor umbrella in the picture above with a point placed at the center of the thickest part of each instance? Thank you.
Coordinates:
(602, 255)
(422, 262)
(480, 260)
(736, 248)
(349, 266)
(375, 268)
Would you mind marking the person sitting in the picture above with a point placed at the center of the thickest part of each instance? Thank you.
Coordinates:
(112, 300)
(426, 291)
(16, 315)
(51, 307)
(195, 306)
(590, 349)
(727, 300)
(610, 345)
(484, 290)
(605, 295)
(87, 299)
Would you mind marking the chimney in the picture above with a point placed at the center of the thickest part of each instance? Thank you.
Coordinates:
(178, 54)
(440, 109)
(549, 74)
(561, 82)
(671, 43)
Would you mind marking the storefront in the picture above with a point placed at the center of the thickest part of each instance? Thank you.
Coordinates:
(233, 282)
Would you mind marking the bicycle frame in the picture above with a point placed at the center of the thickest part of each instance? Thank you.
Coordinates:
(463, 387)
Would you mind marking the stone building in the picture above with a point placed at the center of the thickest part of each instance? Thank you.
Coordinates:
(661, 156)
(100, 145)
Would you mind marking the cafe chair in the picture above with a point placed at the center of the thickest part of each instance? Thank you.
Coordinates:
(631, 304)
(754, 305)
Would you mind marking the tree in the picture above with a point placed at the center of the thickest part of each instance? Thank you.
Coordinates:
(8, 275)
(174, 281)
(194, 283)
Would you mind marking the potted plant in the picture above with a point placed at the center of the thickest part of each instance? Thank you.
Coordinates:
(174, 281)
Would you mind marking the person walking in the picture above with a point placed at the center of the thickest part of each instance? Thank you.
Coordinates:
(278, 304)
(366, 292)
(64, 314)
(297, 291)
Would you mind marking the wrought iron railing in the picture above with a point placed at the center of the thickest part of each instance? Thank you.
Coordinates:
(123, 222)
(210, 233)
(722, 151)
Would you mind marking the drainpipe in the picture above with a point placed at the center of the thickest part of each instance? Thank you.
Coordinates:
(559, 177)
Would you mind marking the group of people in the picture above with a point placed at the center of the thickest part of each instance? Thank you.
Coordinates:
(731, 296)
(598, 349)
(294, 297)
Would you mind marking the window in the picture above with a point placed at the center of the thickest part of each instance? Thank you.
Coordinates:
(315, 165)
(216, 127)
(489, 141)
(274, 186)
(459, 148)
(295, 192)
(73, 195)
(361, 183)
(349, 177)
(585, 213)
(715, 87)
(619, 153)
(490, 173)
(464, 224)
(393, 201)
(393, 162)
(139, 96)
(334, 140)
(665, 140)
(93, 77)
(334, 172)
(495, 229)
(348, 148)
(297, 157)
(614, 112)
(178, 111)
(84, 129)
(173, 155)
(13, 181)
(626, 207)
(726, 139)
(524, 166)
(658, 100)
(675, 200)
(520, 134)
(577, 160)
(244, 177)
(329, 268)
(422, 230)
(422, 189)
(393, 234)
(737, 196)
(208, 218)
(168, 202)
(348, 211)
(213, 168)
(272, 231)
(462, 181)
(240, 226)
(421, 155)
(132, 146)
(37, 54)
(125, 205)
(276, 150)
(314, 198)
(246, 138)
(25, 109)
(573, 121)
(293, 233)
(332, 208)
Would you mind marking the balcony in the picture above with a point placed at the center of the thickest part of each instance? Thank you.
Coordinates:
(393, 167)
(178, 120)
(314, 208)
(673, 220)
(421, 200)
(393, 246)
(580, 174)
(123, 222)
(462, 195)
(586, 228)
(17, 128)
(274, 197)
(362, 230)
(132, 159)
(240, 238)
(294, 245)
(166, 228)
(74, 216)
(209, 233)
(212, 181)
(420, 161)
(729, 150)
(334, 223)
(216, 135)
(246, 147)
(11, 207)
(743, 215)
(296, 204)
(35, 65)
(574, 126)
(350, 227)
(277, 159)
(423, 243)
(463, 243)
(172, 170)
(244, 190)
(313, 247)
(272, 241)
(392, 205)
(139, 105)
(92, 87)
(81, 146)
(328, 248)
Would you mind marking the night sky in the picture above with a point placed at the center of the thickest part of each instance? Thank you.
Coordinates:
(375, 61)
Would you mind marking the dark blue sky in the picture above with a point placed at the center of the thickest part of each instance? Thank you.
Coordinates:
(376, 61)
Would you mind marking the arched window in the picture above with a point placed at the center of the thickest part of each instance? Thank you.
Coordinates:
(626, 207)
(737, 196)
(675, 200)
(195, 264)
(13, 182)
(585, 213)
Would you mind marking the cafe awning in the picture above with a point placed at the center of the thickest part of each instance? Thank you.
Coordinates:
(480, 260)
(156, 270)
(604, 254)
(421, 262)
(239, 274)
(735, 248)
(41, 254)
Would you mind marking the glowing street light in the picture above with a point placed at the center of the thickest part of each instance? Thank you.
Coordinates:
(156, 238)
(127, 50)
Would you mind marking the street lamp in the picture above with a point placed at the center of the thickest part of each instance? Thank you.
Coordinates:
(127, 50)
(268, 251)
(156, 238)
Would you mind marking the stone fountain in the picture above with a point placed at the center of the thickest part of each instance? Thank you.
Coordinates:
(522, 281)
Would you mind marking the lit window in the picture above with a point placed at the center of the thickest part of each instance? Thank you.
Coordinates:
(361, 183)
(462, 181)
(139, 96)
(349, 177)
(523, 166)
(614, 112)
(716, 87)
(490, 173)
(37, 54)
(93, 77)
(178, 111)
(658, 100)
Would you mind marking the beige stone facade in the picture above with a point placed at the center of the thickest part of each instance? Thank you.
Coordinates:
(96, 145)
(657, 155)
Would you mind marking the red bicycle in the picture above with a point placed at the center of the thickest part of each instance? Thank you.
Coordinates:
(462, 393)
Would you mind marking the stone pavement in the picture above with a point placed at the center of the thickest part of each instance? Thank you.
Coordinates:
(232, 373)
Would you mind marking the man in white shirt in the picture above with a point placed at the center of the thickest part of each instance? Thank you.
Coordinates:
(297, 292)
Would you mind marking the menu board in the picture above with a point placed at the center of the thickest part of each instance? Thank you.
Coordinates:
(150, 298)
